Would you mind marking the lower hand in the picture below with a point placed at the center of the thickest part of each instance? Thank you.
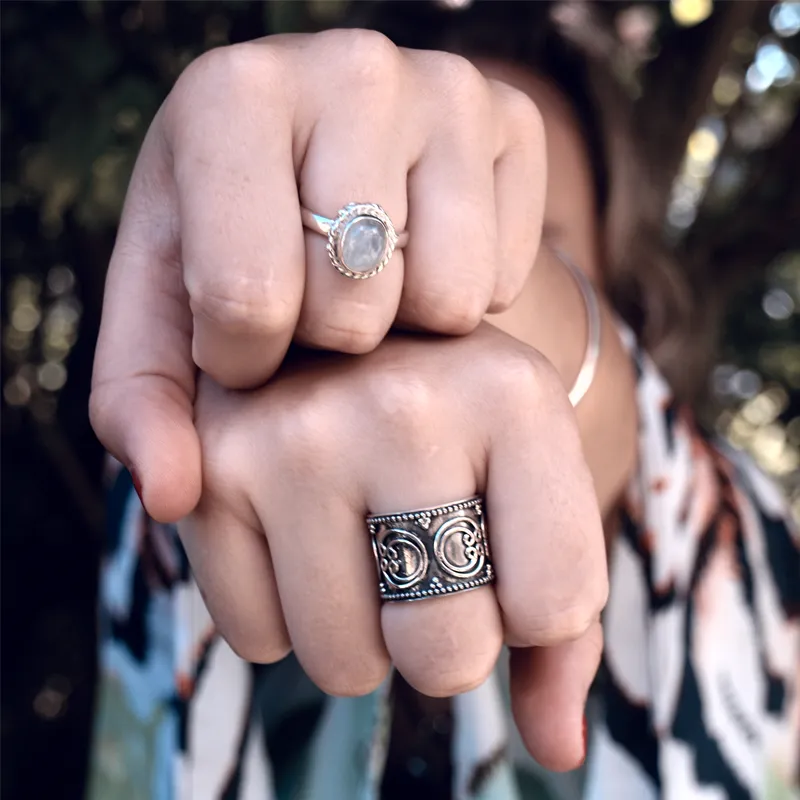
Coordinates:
(282, 555)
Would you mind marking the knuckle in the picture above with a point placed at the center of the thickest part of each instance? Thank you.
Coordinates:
(447, 656)
(521, 113)
(571, 623)
(505, 294)
(565, 617)
(237, 65)
(225, 464)
(209, 65)
(552, 627)
(260, 652)
(525, 374)
(466, 87)
(525, 377)
(449, 310)
(191, 82)
(372, 59)
(242, 307)
(352, 679)
(228, 72)
(359, 335)
(222, 455)
(302, 432)
(404, 400)
(450, 680)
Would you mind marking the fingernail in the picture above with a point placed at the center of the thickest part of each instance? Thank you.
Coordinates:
(137, 484)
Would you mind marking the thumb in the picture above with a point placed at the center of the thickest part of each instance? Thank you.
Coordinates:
(549, 687)
(146, 423)
(144, 377)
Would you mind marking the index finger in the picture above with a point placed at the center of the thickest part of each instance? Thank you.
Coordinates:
(547, 543)
(229, 124)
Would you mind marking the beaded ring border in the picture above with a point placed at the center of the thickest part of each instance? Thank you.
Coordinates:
(431, 552)
(347, 222)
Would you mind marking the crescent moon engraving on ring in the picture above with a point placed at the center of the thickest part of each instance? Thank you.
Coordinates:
(403, 558)
(459, 547)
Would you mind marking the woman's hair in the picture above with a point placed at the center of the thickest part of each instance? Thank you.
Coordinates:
(644, 284)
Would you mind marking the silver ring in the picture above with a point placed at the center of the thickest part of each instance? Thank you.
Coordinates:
(431, 552)
(361, 239)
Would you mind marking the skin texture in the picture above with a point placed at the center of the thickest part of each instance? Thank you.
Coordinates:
(339, 437)
(607, 416)
(213, 269)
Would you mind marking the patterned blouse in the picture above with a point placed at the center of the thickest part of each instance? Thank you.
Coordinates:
(698, 696)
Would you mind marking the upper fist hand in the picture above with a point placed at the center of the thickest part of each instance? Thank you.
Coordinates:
(213, 269)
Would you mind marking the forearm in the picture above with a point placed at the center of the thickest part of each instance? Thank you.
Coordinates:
(550, 315)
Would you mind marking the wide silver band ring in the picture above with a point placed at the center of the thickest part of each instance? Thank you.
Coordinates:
(431, 552)
(361, 238)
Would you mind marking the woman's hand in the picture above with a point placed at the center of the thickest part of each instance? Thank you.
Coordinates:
(212, 268)
(282, 555)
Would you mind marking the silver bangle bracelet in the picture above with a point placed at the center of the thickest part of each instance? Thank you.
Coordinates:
(591, 354)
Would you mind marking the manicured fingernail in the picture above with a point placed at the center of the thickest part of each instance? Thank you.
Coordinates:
(137, 484)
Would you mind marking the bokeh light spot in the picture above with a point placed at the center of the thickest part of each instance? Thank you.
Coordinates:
(727, 89)
(51, 700)
(778, 304)
(52, 376)
(17, 391)
(60, 279)
(785, 19)
(746, 383)
(25, 317)
(690, 12)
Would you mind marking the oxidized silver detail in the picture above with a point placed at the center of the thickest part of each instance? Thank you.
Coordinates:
(458, 546)
(344, 256)
(431, 552)
(403, 558)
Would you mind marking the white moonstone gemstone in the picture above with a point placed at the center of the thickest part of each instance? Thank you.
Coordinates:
(363, 244)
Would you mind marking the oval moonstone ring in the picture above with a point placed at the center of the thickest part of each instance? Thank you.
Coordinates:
(361, 239)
